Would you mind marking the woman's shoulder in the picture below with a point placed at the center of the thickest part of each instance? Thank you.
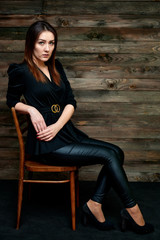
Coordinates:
(16, 68)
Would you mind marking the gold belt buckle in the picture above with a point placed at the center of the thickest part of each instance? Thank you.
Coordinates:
(55, 108)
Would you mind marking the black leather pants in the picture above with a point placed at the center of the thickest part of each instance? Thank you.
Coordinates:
(90, 152)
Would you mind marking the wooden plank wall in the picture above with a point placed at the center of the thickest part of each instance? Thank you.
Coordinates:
(111, 54)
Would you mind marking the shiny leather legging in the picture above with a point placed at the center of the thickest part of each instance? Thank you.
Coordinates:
(90, 152)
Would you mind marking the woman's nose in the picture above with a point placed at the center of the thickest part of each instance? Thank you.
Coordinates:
(47, 47)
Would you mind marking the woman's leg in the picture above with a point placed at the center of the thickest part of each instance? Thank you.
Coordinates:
(89, 154)
(82, 154)
(103, 184)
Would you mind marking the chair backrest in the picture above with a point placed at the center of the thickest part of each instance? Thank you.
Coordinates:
(21, 124)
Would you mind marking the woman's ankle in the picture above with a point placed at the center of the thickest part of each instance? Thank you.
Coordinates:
(94, 204)
(96, 209)
(134, 210)
(136, 214)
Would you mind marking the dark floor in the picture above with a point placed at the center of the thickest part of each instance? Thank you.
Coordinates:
(47, 215)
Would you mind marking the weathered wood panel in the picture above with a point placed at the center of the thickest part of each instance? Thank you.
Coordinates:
(104, 84)
(108, 72)
(21, 6)
(7, 46)
(101, 7)
(111, 53)
(81, 7)
(111, 96)
(96, 59)
(107, 21)
(118, 96)
(96, 34)
(140, 172)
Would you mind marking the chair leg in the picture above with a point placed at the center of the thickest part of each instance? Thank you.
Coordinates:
(72, 194)
(77, 189)
(20, 193)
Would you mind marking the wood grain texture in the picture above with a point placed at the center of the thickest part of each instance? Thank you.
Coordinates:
(110, 51)
(101, 7)
(10, 46)
(21, 6)
(83, 21)
(89, 34)
(96, 59)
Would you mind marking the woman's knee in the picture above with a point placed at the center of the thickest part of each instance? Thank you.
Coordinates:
(114, 157)
(119, 152)
(120, 155)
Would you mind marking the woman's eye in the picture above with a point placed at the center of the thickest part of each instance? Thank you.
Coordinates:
(41, 43)
(52, 43)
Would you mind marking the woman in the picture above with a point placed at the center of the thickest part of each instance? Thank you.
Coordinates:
(52, 137)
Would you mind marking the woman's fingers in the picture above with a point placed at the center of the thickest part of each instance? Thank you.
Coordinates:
(45, 138)
(48, 134)
(39, 126)
(44, 135)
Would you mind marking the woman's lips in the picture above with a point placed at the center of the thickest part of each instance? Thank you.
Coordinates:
(45, 55)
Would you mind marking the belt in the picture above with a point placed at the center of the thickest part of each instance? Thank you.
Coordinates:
(55, 108)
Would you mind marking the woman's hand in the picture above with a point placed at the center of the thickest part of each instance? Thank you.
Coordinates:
(48, 133)
(37, 119)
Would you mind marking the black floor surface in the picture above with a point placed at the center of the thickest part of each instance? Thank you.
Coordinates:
(47, 215)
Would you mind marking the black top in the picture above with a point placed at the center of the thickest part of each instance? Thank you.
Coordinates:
(50, 99)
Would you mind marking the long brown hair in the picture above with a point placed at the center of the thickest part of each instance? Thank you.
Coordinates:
(31, 37)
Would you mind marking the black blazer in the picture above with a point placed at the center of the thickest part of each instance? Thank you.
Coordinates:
(50, 99)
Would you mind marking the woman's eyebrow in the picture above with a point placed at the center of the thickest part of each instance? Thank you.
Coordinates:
(45, 40)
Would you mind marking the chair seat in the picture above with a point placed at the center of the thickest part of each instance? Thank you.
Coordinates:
(40, 167)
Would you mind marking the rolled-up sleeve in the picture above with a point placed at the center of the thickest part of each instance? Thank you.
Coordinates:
(69, 96)
(15, 85)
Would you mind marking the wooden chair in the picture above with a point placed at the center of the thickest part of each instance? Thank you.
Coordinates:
(31, 166)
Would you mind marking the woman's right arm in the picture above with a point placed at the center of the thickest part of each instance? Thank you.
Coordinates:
(15, 90)
(35, 116)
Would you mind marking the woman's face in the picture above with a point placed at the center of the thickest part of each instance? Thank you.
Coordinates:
(44, 47)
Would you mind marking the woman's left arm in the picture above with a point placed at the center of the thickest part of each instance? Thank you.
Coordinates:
(50, 132)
